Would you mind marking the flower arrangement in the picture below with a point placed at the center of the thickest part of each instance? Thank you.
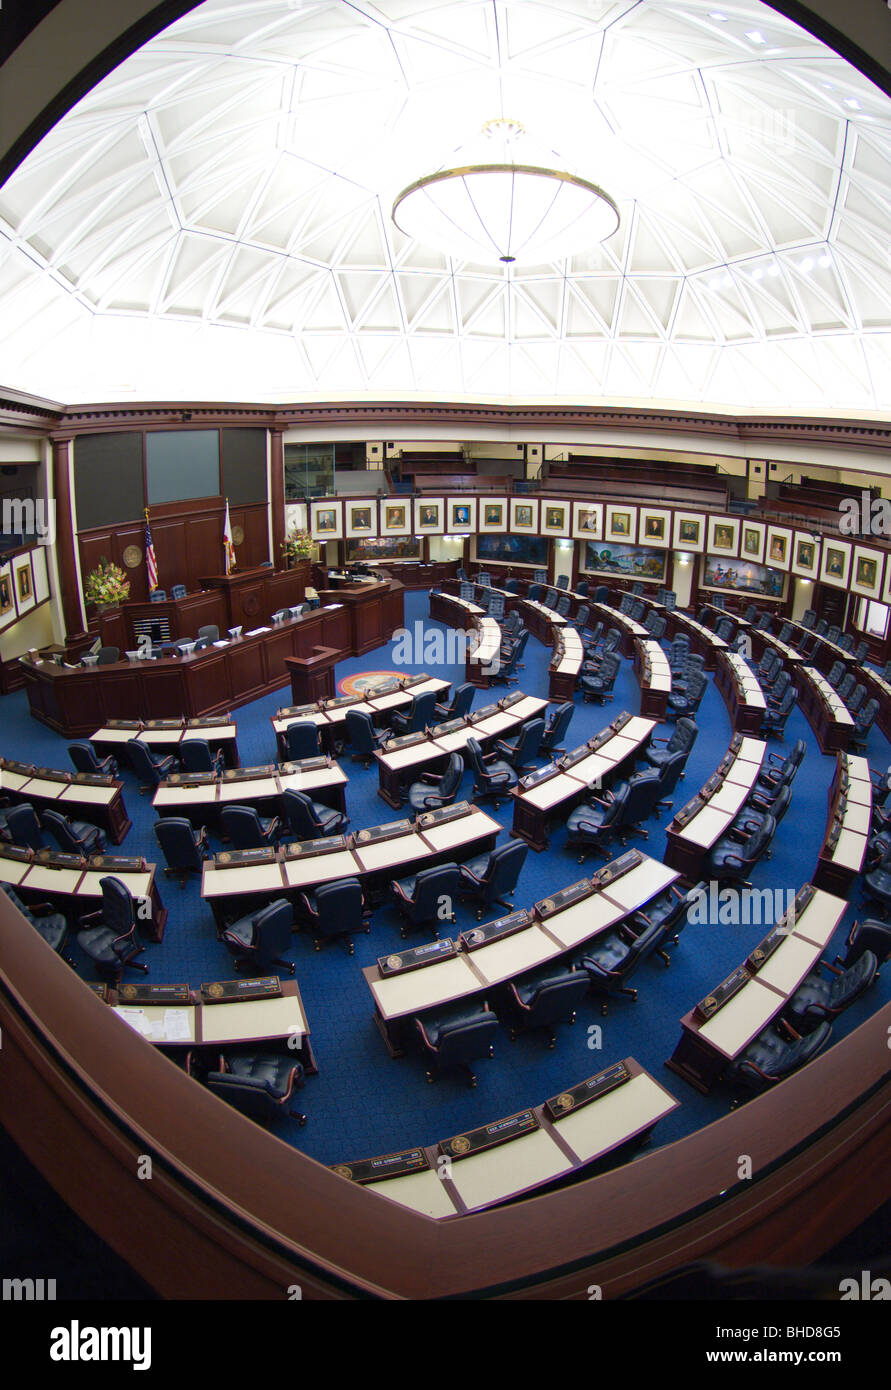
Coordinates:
(298, 545)
(106, 584)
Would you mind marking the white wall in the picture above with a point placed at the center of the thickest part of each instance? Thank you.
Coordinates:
(683, 577)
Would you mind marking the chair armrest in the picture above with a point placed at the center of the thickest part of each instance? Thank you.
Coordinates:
(90, 917)
(424, 1038)
(399, 891)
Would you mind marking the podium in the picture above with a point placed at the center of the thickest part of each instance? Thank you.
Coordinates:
(252, 596)
(312, 677)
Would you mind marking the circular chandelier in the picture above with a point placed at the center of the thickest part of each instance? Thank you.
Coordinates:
(502, 201)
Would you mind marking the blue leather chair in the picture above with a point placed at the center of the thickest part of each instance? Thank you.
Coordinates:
(111, 943)
(868, 935)
(599, 687)
(594, 823)
(308, 819)
(689, 702)
(457, 1038)
(246, 829)
(866, 717)
(779, 771)
(24, 827)
(258, 940)
(544, 999)
(107, 656)
(419, 715)
(659, 750)
(427, 897)
(735, 854)
(74, 836)
(86, 759)
(362, 736)
(611, 958)
(819, 1001)
(196, 756)
(303, 740)
(877, 884)
(43, 917)
(492, 878)
(522, 751)
(774, 1055)
(149, 767)
(433, 792)
(259, 1084)
(184, 847)
(556, 728)
(336, 910)
(492, 776)
(460, 704)
(774, 721)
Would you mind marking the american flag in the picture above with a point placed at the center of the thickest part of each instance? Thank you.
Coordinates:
(151, 563)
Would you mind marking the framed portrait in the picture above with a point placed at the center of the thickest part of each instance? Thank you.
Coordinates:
(493, 515)
(326, 521)
(554, 518)
(751, 542)
(395, 519)
(524, 514)
(867, 572)
(23, 584)
(6, 604)
(621, 524)
(689, 531)
(461, 515)
(835, 563)
(361, 519)
(429, 516)
(805, 555)
(723, 535)
(587, 521)
(778, 548)
(655, 527)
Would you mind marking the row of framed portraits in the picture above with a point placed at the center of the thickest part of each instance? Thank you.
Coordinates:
(841, 563)
(23, 585)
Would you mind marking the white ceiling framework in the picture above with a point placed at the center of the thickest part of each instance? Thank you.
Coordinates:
(213, 220)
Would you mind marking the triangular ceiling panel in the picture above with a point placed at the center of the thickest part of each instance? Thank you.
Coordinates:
(238, 172)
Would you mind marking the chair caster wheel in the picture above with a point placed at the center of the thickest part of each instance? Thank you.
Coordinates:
(473, 1081)
(552, 1044)
(429, 1078)
(351, 949)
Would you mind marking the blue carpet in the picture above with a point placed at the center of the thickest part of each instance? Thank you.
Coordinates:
(363, 1102)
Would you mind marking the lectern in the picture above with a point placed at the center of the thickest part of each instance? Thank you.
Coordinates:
(312, 677)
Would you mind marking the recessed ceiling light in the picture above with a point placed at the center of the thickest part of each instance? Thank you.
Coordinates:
(853, 103)
(807, 264)
(755, 36)
(824, 261)
(773, 271)
(717, 15)
(757, 273)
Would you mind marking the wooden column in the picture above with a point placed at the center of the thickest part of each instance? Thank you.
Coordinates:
(277, 495)
(66, 541)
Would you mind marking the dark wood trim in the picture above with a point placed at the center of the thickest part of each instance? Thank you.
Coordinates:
(83, 1097)
(66, 540)
(277, 492)
(379, 415)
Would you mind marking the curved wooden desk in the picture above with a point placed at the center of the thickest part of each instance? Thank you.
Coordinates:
(79, 1082)
(74, 700)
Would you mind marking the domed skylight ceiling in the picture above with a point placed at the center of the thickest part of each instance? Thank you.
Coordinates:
(213, 220)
